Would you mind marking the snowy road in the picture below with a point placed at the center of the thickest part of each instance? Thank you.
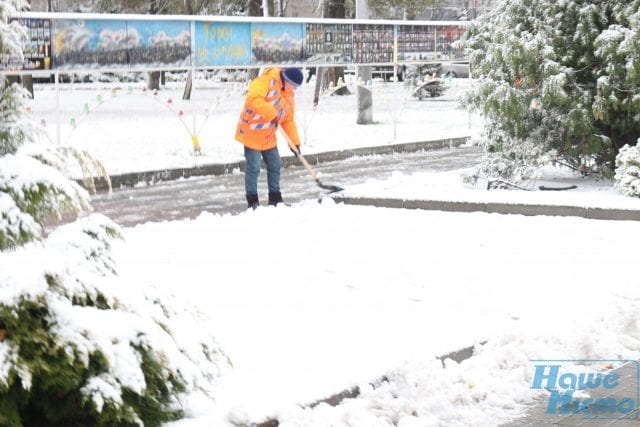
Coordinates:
(187, 198)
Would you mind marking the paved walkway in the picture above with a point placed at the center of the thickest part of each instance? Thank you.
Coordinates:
(592, 415)
(224, 193)
(134, 178)
(216, 189)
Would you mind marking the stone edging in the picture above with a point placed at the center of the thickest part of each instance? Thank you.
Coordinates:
(495, 207)
(458, 356)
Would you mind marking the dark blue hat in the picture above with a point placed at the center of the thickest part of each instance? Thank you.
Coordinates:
(293, 76)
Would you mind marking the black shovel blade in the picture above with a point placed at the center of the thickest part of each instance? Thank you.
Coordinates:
(331, 188)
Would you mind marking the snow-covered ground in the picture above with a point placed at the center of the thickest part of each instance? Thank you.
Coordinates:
(311, 299)
(130, 129)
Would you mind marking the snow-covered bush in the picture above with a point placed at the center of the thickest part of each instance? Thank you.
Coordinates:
(557, 83)
(627, 178)
(78, 346)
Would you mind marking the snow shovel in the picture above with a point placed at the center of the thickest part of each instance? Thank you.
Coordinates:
(307, 166)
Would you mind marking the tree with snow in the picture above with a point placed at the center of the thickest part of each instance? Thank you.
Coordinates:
(627, 178)
(411, 8)
(558, 82)
(77, 345)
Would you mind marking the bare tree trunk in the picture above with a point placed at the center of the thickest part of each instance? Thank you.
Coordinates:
(188, 7)
(255, 9)
(335, 9)
(27, 83)
(316, 91)
(154, 80)
(186, 95)
(364, 96)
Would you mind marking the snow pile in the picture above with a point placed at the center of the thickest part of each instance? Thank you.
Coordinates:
(488, 389)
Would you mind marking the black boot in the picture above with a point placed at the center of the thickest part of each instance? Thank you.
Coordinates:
(275, 198)
(252, 201)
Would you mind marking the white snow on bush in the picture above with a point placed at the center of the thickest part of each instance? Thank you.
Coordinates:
(22, 174)
(627, 178)
(84, 271)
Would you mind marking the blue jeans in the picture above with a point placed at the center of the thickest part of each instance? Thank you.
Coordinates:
(252, 170)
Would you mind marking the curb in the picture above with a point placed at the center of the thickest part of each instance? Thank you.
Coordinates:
(458, 356)
(131, 179)
(495, 207)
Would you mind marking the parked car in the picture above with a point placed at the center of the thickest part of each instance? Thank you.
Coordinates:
(385, 72)
(454, 69)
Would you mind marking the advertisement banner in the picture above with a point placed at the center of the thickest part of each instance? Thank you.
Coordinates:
(159, 43)
(90, 44)
(36, 50)
(416, 43)
(113, 42)
(277, 43)
(222, 43)
(372, 43)
(328, 43)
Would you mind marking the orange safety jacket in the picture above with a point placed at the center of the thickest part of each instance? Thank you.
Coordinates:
(265, 101)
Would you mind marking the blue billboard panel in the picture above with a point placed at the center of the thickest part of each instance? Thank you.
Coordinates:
(90, 43)
(274, 43)
(222, 43)
(159, 43)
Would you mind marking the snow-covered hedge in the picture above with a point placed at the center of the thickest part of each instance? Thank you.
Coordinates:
(627, 178)
(80, 347)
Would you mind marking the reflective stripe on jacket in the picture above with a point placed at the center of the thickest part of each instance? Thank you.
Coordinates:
(265, 102)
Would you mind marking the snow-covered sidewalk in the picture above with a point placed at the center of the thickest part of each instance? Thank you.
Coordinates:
(314, 298)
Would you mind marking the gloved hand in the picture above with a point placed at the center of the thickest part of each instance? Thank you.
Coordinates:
(277, 118)
(293, 151)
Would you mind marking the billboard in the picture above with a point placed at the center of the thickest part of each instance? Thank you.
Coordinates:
(274, 43)
(416, 43)
(329, 43)
(121, 44)
(36, 49)
(90, 43)
(159, 43)
(222, 43)
(71, 42)
(372, 43)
